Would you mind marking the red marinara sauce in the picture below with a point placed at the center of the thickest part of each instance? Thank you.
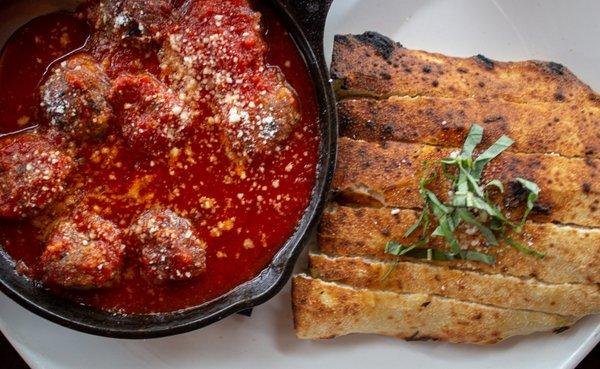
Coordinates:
(240, 190)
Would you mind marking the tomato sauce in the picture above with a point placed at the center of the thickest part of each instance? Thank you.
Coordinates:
(244, 212)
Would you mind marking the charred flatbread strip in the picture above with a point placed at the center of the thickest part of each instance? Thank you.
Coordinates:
(373, 65)
(572, 254)
(536, 128)
(490, 289)
(327, 310)
(390, 175)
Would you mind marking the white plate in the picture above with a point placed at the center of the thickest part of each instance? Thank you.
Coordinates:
(563, 31)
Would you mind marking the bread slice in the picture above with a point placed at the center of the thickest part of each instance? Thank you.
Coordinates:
(491, 289)
(572, 255)
(401, 109)
(541, 128)
(326, 310)
(373, 65)
(390, 175)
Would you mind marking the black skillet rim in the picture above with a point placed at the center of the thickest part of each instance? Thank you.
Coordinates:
(249, 294)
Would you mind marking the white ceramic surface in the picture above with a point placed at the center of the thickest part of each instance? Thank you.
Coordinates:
(562, 31)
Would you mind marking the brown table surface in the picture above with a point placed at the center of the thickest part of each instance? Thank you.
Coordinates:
(9, 359)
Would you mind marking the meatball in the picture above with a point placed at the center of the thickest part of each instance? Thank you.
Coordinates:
(260, 126)
(32, 174)
(84, 252)
(74, 98)
(255, 107)
(152, 117)
(169, 249)
(135, 20)
(281, 115)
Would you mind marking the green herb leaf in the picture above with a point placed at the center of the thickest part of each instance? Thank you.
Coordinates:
(448, 234)
(466, 196)
(462, 183)
(437, 232)
(479, 256)
(426, 222)
(495, 183)
(430, 254)
(496, 149)
(496, 224)
(424, 216)
(440, 255)
(416, 225)
(394, 248)
(534, 193)
(479, 203)
(485, 231)
(455, 220)
(437, 207)
(472, 182)
(389, 270)
(473, 139)
(522, 248)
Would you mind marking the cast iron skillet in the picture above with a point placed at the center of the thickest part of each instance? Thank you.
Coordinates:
(305, 21)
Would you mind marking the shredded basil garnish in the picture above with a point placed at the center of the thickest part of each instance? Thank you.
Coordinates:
(469, 203)
(496, 149)
(440, 255)
(534, 193)
(522, 248)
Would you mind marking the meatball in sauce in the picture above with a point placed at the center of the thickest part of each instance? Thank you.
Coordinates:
(133, 20)
(152, 117)
(83, 252)
(74, 98)
(32, 174)
(222, 59)
(161, 148)
(170, 249)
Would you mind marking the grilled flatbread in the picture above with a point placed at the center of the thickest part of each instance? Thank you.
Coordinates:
(326, 310)
(390, 176)
(540, 128)
(491, 289)
(572, 254)
(400, 112)
(373, 65)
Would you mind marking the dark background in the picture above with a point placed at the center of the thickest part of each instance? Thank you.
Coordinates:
(9, 359)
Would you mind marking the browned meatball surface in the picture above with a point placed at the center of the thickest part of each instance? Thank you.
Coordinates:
(152, 117)
(226, 59)
(131, 19)
(282, 114)
(84, 252)
(74, 98)
(32, 174)
(170, 250)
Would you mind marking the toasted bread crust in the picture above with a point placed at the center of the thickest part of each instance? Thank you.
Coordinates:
(491, 289)
(401, 109)
(392, 173)
(372, 65)
(572, 254)
(541, 128)
(327, 310)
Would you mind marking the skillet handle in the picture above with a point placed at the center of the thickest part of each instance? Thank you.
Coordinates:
(310, 16)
